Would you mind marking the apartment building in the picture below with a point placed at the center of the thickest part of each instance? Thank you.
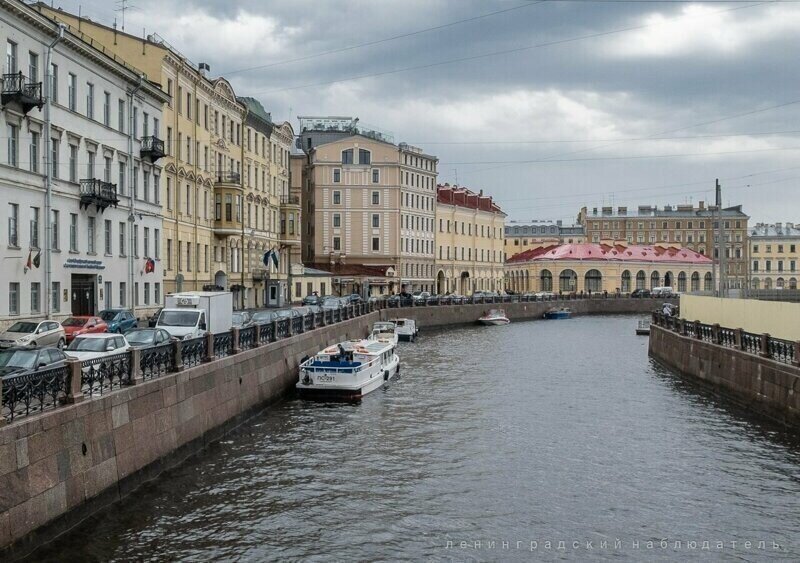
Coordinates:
(695, 228)
(520, 237)
(469, 239)
(774, 256)
(96, 242)
(369, 205)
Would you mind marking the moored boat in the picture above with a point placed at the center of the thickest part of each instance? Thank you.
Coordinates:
(350, 370)
(494, 317)
(406, 329)
(558, 313)
(385, 331)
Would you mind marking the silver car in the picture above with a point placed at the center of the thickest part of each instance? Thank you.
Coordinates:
(33, 333)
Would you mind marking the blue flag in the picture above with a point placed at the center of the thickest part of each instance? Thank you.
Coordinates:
(267, 257)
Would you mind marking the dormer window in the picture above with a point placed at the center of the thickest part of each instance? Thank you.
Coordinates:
(364, 156)
(347, 156)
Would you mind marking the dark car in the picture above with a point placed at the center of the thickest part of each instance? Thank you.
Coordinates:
(153, 319)
(263, 317)
(312, 300)
(118, 320)
(21, 360)
(241, 319)
(353, 298)
(640, 293)
(144, 337)
(331, 303)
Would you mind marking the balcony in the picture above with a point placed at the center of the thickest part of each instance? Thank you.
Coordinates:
(293, 200)
(229, 178)
(98, 193)
(17, 89)
(152, 149)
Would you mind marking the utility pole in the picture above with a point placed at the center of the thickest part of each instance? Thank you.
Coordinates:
(722, 246)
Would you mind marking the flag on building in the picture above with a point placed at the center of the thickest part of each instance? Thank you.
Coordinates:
(29, 263)
(267, 257)
(149, 266)
(37, 259)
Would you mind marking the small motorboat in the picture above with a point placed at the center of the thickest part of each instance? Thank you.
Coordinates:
(558, 313)
(385, 331)
(494, 317)
(406, 329)
(643, 328)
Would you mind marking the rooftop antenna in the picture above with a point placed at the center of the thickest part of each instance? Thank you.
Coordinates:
(455, 171)
(124, 6)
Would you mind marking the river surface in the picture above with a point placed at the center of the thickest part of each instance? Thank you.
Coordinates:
(536, 431)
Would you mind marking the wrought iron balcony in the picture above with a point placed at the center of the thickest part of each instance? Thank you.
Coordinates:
(290, 200)
(152, 148)
(98, 193)
(229, 178)
(17, 88)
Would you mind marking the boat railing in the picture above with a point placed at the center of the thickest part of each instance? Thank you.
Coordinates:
(308, 365)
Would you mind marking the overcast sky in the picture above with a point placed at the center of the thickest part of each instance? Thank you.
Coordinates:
(557, 105)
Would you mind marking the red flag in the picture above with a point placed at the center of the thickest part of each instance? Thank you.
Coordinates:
(29, 263)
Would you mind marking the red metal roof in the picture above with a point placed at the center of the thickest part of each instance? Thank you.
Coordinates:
(589, 251)
(463, 197)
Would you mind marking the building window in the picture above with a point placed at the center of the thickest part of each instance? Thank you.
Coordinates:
(90, 237)
(13, 298)
(34, 227)
(11, 57)
(122, 294)
(376, 221)
(347, 156)
(376, 176)
(337, 197)
(364, 156)
(54, 222)
(13, 224)
(337, 220)
(376, 244)
(13, 143)
(55, 292)
(337, 175)
(54, 83)
(107, 238)
(121, 115)
(90, 100)
(34, 152)
(72, 91)
(36, 297)
(376, 198)
(337, 243)
(122, 238)
(54, 157)
(73, 164)
(73, 232)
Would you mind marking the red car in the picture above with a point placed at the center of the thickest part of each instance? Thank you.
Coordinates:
(76, 326)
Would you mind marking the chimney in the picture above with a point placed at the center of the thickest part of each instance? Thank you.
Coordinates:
(204, 69)
(622, 210)
(559, 222)
(790, 225)
(701, 205)
(594, 211)
(608, 211)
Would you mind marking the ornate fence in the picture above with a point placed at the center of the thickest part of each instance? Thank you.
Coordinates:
(101, 375)
(764, 345)
(266, 333)
(194, 351)
(223, 344)
(32, 393)
(247, 338)
(157, 360)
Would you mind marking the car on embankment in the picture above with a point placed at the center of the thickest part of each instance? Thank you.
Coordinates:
(33, 333)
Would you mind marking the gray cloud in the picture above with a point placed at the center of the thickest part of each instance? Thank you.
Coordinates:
(690, 65)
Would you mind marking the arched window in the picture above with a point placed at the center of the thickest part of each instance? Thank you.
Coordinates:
(695, 281)
(546, 281)
(347, 156)
(779, 283)
(756, 284)
(641, 279)
(593, 281)
(708, 283)
(682, 281)
(793, 283)
(655, 279)
(626, 282)
(364, 156)
(567, 281)
(668, 279)
(768, 283)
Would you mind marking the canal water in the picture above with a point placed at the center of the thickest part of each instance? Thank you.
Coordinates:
(546, 431)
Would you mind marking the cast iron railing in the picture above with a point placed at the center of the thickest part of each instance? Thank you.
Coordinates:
(32, 393)
(283, 328)
(247, 338)
(266, 333)
(223, 344)
(194, 351)
(156, 361)
(101, 375)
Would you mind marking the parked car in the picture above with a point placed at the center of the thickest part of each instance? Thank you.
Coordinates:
(118, 320)
(331, 303)
(19, 361)
(287, 314)
(153, 319)
(91, 346)
(263, 317)
(544, 295)
(75, 326)
(662, 292)
(33, 333)
(353, 298)
(420, 296)
(312, 300)
(639, 293)
(242, 319)
(144, 337)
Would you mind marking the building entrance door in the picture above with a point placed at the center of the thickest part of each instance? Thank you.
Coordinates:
(83, 299)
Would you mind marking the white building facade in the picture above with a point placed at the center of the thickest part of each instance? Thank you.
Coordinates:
(104, 223)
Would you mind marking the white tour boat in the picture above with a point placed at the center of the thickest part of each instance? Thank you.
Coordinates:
(385, 331)
(494, 317)
(350, 370)
(406, 329)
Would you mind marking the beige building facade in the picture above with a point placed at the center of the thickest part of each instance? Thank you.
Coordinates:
(469, 240)
(369, 210)
(774, 256)
(520, 237)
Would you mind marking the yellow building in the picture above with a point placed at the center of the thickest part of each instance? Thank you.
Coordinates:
(469, 239)
(526, 236)
(774, 256)
(575, 268)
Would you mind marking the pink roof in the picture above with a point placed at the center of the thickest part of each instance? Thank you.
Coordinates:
(589, 251)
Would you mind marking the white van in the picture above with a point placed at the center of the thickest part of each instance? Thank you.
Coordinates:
(662, 291)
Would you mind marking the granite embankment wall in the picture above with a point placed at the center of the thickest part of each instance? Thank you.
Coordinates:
(758, 383)
(59, 467)
(428, 317)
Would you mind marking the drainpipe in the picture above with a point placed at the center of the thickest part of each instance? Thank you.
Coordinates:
(48, 182)
(241, 179)
(132, 217)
